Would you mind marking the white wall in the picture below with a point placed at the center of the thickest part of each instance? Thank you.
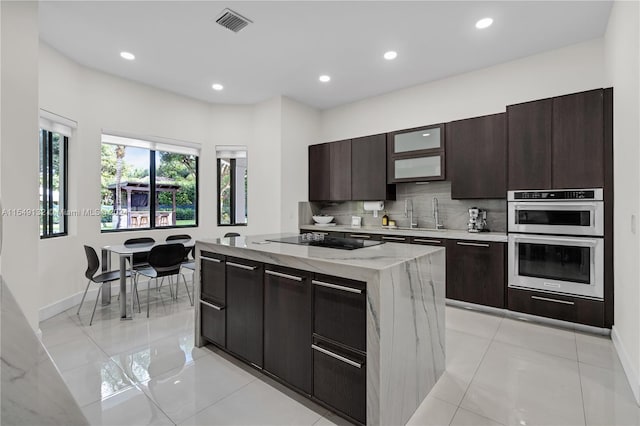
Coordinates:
(300, 128)
(622, 60)
(19, 145)
(100, 101)
(486, 91)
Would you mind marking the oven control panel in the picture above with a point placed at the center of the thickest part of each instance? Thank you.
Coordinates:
(556, 195)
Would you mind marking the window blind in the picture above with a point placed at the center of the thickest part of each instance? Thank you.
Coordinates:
(151, 142)
(56, 123)
(231, 151)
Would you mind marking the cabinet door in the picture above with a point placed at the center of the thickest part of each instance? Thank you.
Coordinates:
(244, 309)
(287, 326)
(475, 272)
(427, 241)
(369, 169)
(213, 322)
(529, 145)
(319, 172)
(361, 236)
(578, 140)
(212, 278)
(477, 157)
(416, 155)
(340, 171)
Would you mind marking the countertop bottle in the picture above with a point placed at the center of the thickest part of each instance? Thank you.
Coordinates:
(385, 219)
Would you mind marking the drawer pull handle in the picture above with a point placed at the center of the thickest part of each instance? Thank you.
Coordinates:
(238, 265)
(394, 238)
(421, 240)
(281, 275)
(211, 259)
(547, 299)
(359, 236)
(336, 356)
(337, 287)
(473, 244)
(217, 308)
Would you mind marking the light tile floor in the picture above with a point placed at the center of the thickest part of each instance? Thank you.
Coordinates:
(500, 371)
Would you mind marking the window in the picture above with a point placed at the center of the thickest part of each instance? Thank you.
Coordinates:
(53, 183)
(133, 169)
(55, 132)
(232, 185)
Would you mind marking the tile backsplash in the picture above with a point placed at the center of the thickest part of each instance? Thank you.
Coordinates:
(452, 213)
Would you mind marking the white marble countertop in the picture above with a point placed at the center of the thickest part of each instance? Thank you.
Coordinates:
(33, 392)
(455, 234)
(374, 258)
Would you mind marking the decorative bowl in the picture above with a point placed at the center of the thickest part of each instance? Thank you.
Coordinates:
(322, 219)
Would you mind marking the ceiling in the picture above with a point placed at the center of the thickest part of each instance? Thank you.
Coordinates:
(179, 47)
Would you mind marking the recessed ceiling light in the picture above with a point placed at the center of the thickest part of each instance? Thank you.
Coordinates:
(484, 23)
(324, 78)
(390, 55)
(217, 86)
(128, 56)
(426, 134)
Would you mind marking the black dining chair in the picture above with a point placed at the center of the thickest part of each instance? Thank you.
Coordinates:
(140, 260)
(93, 264)
(190, 264)
(231, 234)
(180, 237)
(164, 261)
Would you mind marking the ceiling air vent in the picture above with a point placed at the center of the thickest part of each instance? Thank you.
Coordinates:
(232, 20)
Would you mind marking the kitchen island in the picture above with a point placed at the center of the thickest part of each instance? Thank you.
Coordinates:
(360, 331)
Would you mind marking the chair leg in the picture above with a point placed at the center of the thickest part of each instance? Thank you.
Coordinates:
(177, 282)
(95, 305)
(187, 287)
(83, 296)
(135, 283)
(148, 292)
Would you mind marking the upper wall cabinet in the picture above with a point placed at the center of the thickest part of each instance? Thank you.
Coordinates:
(477, 157)
(369, 169)
(416, 155)
(330, 171)
(557, 143)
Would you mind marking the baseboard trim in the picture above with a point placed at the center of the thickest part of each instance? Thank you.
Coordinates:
(62, 305)
(627, 365)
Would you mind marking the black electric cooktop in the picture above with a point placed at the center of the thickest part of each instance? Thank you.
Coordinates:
(329, 242)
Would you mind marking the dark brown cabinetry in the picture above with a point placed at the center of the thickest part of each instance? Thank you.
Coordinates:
(557, 143)
(244, 309)
(475, 272)
(287, 326)
(213, 297)
(340, 344)
(416, 155)
(363, 236)
(428, 241)
(477, 157)
(529, 146)
(340, 378)
(369, 169)
(561, 307)
(396, 239)
(330, 171)
(578, 140)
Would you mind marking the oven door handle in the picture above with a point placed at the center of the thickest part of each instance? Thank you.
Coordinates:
(576, 205)
(590, 242)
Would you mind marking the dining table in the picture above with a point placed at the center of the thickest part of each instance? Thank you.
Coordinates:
(125, 253)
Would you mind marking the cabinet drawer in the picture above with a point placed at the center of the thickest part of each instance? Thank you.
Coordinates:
(427, 241)
(213, 322)
(340, 310)
(566, 308)
(212, 277)
(340, 379)
(396, 239)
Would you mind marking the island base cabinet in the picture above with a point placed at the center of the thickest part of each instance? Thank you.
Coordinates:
(287, 326)
(245, 309)
(340, 379)
(213, 323)
(212, 277)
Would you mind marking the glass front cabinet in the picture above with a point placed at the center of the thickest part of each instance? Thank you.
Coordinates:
(416, 155)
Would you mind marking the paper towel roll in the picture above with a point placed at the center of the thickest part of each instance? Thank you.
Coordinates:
(374, 205)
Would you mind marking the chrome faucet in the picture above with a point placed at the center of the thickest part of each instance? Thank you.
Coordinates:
(408, 212)
(436, 213)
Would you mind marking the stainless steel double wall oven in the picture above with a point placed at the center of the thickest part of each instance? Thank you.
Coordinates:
(556, 241)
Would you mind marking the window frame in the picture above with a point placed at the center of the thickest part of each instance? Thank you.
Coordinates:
(232, 198)
(46, 218)
(152, 190)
